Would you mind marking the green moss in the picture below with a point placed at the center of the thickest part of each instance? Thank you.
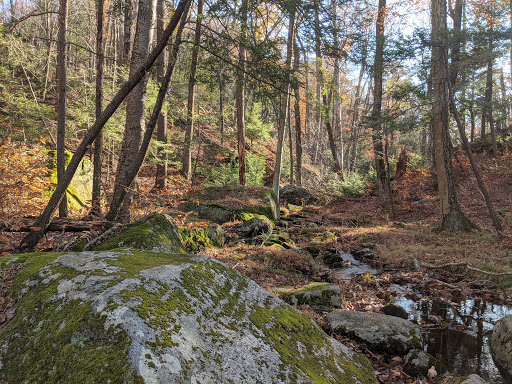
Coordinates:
(156, 231)
(197, 238)
(285, 328)
(247, 213)
(79, 192)
(41, 344)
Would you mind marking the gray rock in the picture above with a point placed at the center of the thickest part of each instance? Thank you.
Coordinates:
(333, 260)
(258, 225)
(297, 195)
(216, 213)
(501, 345)
(473, 379)
(365, 253)
(417, 363)
(320, 296)
(380, 332)
(395, 310)
(142, 316)
(369, 245)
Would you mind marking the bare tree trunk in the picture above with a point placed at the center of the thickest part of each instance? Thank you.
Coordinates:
(61, 106)
(240, 93)
(378, 69)
(337, 101)
(187, 147)
(284, 106)
(290, 141)
(131, 172)
(298, 133)
(42, 222)
(161, 167)
(221, 107)
(128, 15)
(488, 110)
(452, 217)
(354, 128)
(98, 143)
(135, 114)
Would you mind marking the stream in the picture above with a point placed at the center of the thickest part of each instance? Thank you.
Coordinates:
(457, 333)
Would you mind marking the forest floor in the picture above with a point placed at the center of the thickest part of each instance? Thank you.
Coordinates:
(409, 247)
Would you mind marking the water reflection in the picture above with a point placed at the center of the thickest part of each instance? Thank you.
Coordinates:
(458, 333)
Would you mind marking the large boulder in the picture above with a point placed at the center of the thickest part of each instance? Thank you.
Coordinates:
(157, 232)
(197, 236)
(380, 332)
(147, 317)
(79, 192)
(501, 345)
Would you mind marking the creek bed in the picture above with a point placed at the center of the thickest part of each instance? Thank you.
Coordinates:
(457, 333)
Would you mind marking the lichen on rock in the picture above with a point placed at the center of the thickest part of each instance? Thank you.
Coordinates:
(142, 316)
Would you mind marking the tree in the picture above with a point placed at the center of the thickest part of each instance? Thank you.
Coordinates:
(161, 167)
(135, 114)
(284, 103)
(452, 217)
(378, 71)
(61, 106)
(98, 143)
(240, 92)
(187, 155)
(42, 222)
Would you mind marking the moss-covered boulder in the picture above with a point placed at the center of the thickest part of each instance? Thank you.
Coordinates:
(417, 363)
(197, 237)
(79, 192)
(157, 232)
(258, 225)
(320, 296)
(141, 316)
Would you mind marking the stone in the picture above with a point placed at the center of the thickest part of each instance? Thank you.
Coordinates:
(197, 237)
(333, 260)
(258, 225)
(369, 245)
(216, 213)
(320, 296)
(471, 379)
(418, 363)
(297, 195)
(500, 344)
(395, 310)
(381, 333)
(79, 192)
(365, 253)
(147, 317)
(157, 232)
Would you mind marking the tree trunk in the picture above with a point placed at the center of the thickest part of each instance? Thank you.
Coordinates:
(127, 37)
(98, 143)
(378, 69)
(452, 217)
(41, 224)
(61, 106)
(284, 105)
(187, 148)
(221, 107)
(488, 110)
(135, 114)
(337, 100)
(161, 166)
(298, 132)
(290, 140)
(240, 93)
(131, 172)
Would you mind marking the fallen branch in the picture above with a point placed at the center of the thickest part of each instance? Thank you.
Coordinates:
(60, 225)
(467, 266)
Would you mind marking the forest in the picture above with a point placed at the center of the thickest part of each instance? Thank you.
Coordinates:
(357, 148)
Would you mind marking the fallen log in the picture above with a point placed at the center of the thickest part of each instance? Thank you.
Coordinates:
(59, 225)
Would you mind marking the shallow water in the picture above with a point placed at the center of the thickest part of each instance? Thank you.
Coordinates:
(353, 268)
(458, 333)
